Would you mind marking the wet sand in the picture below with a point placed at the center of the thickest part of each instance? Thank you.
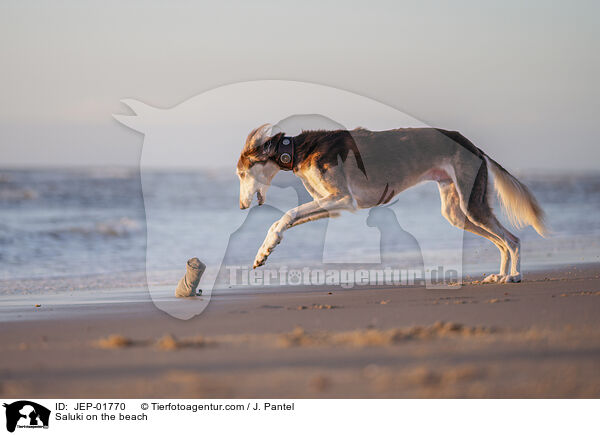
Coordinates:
(539, 338)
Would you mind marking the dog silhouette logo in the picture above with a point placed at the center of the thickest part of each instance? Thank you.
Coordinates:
(26, 414)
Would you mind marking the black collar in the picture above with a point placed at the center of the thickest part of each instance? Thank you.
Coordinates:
(284, 155)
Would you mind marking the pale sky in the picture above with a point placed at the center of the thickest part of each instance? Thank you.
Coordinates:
(518, 77)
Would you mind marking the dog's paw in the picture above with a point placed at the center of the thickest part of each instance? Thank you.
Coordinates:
(272, 240)
(511, 278)
(261, 257)
(494, 277)
(259, 261)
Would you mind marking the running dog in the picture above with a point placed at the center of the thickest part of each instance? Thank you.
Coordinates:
(349, 170)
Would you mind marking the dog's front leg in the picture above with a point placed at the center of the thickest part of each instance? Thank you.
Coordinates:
(273, 239)
(275, 233)
(304, 213)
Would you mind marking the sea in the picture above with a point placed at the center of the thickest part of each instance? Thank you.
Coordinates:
(88, 228)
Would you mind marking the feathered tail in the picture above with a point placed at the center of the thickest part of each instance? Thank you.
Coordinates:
(521, 206)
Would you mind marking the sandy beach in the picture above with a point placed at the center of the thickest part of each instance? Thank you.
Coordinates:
(539, 338)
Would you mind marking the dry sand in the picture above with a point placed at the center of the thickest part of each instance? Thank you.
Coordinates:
(539, 338)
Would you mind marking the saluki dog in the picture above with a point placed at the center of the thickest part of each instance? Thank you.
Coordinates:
(350, 170)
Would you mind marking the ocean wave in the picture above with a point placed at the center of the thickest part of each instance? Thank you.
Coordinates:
(17, 194)
(121, 227)
(109, 173)
(112, 228)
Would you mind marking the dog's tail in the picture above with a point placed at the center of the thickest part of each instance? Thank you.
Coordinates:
(521, 206)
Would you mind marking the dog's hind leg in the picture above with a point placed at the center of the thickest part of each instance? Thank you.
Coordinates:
(512, 242)
(452, 211)
(474, 204)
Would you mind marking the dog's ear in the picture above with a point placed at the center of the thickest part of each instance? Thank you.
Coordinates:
(258, 137)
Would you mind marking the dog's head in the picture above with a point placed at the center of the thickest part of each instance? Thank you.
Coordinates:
(255, 167)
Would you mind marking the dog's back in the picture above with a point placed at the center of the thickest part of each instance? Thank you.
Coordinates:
(372, 160)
